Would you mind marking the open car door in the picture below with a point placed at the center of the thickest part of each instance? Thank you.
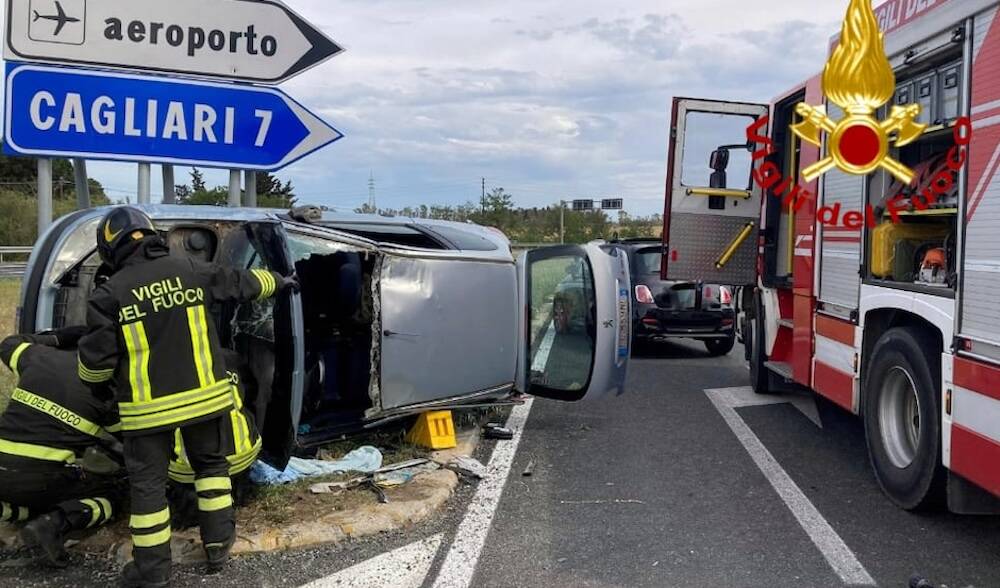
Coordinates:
(575, 322)
(712, 205)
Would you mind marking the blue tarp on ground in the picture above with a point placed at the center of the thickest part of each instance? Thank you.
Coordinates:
(364, 459)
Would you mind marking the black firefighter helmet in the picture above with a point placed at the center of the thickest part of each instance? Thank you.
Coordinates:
(121, 226)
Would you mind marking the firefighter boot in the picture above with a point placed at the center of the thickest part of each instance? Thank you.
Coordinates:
(132, 578)
(218, 554)
(48, 532)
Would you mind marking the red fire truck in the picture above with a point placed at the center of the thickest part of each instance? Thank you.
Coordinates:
(892, 313)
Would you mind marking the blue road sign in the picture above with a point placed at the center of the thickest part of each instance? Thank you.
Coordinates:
(64, 112)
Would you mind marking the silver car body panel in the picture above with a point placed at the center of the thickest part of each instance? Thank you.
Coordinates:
(448, 327)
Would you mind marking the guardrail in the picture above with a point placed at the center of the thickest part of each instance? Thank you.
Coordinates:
(13, 268)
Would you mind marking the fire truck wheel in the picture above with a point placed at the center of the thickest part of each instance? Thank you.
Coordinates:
(902, 421)
(760, 376)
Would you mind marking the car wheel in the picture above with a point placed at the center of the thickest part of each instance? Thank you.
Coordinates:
(760, 376)
(902, 424)
(719, 347)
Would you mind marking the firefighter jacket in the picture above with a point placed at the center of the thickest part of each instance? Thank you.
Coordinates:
(52, 416)
(240, 439)
(152, 334)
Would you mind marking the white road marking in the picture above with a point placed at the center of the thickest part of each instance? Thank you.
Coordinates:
(837, 553)
(460, 564)
(544, 349)
(405, 567)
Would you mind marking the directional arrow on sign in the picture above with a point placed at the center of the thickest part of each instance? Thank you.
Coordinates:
(61, 112)
(260, 41)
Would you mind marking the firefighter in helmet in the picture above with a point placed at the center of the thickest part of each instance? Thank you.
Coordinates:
(52, 419)
(151, 333)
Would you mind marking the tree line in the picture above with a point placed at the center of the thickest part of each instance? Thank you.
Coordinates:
(534, 225)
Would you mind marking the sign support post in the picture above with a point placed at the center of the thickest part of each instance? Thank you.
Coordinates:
(143, 196)
(44, 194)
(169, 188)
(234, 188)
(250, 198)
(82, 186)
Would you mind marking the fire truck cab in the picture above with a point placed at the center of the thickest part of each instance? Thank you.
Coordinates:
(856, 287)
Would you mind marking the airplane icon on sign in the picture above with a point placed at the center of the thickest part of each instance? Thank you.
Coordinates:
(61, 19)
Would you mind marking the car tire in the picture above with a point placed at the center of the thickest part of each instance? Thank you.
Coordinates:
(720, 347)
(760, 376)
(902, 394)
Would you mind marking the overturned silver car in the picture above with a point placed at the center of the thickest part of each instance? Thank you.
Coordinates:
(395, 315)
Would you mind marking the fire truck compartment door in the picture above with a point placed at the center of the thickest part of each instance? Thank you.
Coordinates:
(712, 214)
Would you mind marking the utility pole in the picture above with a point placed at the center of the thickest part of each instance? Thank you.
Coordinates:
(142, 195)
(562, 222)
(235, 185)
(250, 190)
(44, 194)
(82, 187)
(169, 189)
(371, 191)
(482, 201)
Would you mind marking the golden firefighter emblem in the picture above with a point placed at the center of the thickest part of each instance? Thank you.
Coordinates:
(859, 79)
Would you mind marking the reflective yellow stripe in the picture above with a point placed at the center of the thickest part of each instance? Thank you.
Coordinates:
(202, 350)
(174, 400)
(152, 539)
(60, 413)
(5, 511)
(23, 513)
(95, 511)
(114, 428)
(206, 484)
(17, 356)
(214, 504)
(36, 451)
(147, 521)
(108, 511)
(177, 416)
(138, 360)
(93, 376)
(267, 283)
(180, 471)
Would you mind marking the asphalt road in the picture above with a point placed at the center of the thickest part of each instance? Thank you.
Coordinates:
(656, 489)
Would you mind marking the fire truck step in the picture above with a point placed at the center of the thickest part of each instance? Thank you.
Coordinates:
(788, 323)
(781, 368)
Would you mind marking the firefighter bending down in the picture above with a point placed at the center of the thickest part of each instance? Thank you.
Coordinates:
(52, 419)
(242, 445)
(152, 333)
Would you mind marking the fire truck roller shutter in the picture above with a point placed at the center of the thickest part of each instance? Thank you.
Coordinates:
(841, 251)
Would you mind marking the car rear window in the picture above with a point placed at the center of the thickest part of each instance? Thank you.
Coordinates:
(647, 261)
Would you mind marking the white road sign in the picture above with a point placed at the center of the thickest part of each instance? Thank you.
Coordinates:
(259, 41)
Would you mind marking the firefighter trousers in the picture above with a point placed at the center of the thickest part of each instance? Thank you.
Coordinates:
(147, 458)
(29, 489)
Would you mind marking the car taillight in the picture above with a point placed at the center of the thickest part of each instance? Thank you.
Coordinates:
(643, 295)
(707, 294)
(726, 295)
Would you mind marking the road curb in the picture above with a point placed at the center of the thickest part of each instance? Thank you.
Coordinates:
(408, 505)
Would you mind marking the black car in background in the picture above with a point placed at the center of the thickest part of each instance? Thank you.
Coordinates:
(663, 309)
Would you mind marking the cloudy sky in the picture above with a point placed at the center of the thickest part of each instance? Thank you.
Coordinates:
(548, 99)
